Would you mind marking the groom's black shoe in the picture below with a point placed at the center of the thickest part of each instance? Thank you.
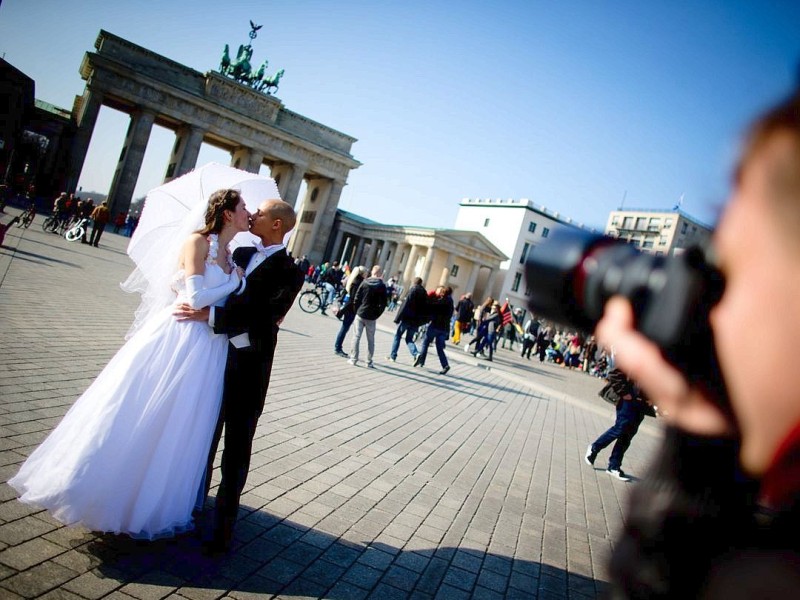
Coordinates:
(222, 538)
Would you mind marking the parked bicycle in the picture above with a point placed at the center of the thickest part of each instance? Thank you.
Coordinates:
(26, 218)
(55, 224)
(78, 230)
(314, 299)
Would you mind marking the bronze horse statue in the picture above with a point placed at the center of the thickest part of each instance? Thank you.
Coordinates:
(267, 83)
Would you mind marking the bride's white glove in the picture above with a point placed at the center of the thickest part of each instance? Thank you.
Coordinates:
(197, 297)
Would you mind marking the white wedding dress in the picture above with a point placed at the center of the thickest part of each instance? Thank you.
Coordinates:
(130, 455)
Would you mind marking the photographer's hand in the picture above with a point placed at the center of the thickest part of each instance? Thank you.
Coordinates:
(680, 403)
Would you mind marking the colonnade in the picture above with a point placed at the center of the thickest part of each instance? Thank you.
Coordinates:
(434, 257)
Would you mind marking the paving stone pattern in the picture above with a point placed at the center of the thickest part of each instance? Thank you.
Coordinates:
(393, 482)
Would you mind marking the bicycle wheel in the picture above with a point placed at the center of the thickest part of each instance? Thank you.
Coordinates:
(74, 234)
(48, 224)
(309, 301)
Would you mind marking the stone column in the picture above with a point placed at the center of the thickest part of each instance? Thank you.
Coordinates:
(347, 251)
(240, 158)
(390, 267)
(430, 256)
(291, 185)
(473, 277)
(384, 256)
(256, 160)
(317, 208)
(373, 252)
(188, 140)
(130, 161)
(446, 270)
(357, 257)
(408, 272)
(90, 108)
(335, 253)
(326, 215)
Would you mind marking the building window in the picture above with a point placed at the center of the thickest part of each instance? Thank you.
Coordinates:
(531, 227)
(662, 241)
(545, 232)
(314, 194)
(454, 271)
(524, 253)
(647, 244)
(654, 225)
(641, 223)
(668, 223)
(517, 281)
(528, 290)
(486, 222)
(684, 227)
(615, 221)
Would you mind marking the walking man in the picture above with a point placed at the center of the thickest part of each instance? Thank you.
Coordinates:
(631, 408)
(101, 216)
(411, 315)
(440, 309)
(370, 302)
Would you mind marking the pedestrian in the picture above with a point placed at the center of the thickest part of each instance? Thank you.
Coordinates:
(530, 331)
(331, 279)
(543, 341)
(412, 314)
(347, 313)
(631, 410)
(491, 325)
(479, 327)
(440, 309)
(101, 216)
(464, 311)
(251, 320)
(119, 221)
(370, 302)
(85, 210)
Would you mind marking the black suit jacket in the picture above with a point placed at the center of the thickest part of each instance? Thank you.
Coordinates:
(271, 288)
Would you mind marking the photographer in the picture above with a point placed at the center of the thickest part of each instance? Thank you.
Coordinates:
(696, 527)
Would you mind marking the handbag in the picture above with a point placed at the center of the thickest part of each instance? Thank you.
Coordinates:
(608, 394)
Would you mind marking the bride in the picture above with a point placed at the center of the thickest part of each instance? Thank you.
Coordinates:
(130, 455)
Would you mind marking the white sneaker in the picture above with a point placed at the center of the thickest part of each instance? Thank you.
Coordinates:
(619, 474)
(352, 361)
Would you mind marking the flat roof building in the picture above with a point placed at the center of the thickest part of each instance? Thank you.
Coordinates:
(658, 231)
(515, 226)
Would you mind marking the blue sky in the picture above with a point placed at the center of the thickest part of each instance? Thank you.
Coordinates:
(577, 105)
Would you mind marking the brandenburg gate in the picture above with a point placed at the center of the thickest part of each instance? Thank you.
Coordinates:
(214, 108)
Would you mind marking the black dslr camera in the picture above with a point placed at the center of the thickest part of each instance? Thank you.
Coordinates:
(574, 273)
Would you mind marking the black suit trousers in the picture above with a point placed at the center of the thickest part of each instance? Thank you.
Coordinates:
(247, 375)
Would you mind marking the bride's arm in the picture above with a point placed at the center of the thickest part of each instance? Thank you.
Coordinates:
(193, 260)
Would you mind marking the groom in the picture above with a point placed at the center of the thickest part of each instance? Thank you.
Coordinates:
(250, 318)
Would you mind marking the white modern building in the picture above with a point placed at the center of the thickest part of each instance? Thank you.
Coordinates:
(514, 226)
(657, 231)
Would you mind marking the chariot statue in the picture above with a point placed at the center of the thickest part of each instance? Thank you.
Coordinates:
(240, 68)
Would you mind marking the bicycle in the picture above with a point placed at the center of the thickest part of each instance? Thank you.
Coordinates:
(53, 223)
(313, 300)
(78, 230)
(26, 218)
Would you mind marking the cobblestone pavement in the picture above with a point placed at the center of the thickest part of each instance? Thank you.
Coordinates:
(393, 482)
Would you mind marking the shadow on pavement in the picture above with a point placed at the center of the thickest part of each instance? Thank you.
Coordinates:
(276, 556)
